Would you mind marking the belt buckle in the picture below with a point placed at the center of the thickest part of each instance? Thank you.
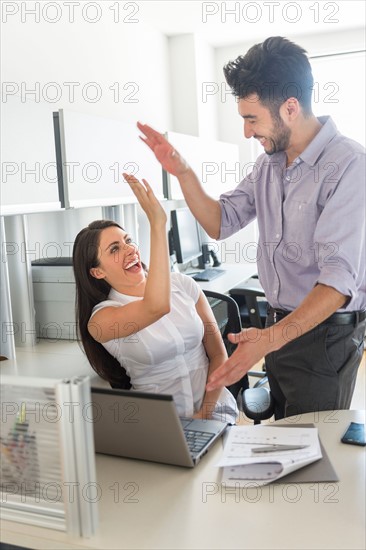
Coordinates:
(275, 316)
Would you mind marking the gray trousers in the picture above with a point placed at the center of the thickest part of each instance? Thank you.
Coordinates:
(317, 371)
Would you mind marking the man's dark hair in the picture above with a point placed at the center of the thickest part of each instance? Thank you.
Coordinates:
(274, 70)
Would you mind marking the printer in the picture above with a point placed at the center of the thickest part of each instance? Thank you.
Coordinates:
(54, 298)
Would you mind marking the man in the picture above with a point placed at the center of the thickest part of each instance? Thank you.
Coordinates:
(308, 194)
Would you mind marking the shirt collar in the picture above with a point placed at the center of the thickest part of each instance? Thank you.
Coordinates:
(316, 147)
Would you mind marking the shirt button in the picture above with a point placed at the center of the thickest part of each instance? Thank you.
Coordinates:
(288, 178)
(277, 236)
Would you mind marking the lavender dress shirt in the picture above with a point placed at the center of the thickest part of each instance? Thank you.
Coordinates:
(311, 218)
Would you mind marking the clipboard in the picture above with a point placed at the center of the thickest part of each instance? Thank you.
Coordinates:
(320, 471)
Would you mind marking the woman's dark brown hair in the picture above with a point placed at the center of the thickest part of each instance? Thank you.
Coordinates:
(90, 292)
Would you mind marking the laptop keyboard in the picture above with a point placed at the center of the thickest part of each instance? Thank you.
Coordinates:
(197, 440)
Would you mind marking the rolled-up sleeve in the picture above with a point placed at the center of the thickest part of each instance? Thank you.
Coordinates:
(340, 235)
(237, 208)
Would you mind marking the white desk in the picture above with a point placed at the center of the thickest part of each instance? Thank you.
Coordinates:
(161, 506)
(233, 276)
(48, 359)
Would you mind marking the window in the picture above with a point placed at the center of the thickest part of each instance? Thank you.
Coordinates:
(339, 91)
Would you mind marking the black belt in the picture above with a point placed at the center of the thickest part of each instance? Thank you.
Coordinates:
(344, 318)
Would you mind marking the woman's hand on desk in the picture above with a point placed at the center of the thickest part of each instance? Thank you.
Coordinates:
(202, 415)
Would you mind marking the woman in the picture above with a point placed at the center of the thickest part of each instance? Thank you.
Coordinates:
(154, 332)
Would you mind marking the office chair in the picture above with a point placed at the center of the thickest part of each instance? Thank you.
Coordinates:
(252, 304)
(227, 315)
(257, 402)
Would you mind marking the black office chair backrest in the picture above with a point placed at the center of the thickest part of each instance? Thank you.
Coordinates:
(227, 315)
(226, 312)
(250, 298)
(257, 402)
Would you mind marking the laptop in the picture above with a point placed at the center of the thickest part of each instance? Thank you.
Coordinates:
(146, 426)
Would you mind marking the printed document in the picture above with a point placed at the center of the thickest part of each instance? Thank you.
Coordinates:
(266, 453)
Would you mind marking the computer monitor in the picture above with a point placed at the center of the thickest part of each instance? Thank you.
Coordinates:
(185, 235)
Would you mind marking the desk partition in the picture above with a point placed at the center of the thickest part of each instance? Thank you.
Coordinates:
(47, 454)
(95, 151)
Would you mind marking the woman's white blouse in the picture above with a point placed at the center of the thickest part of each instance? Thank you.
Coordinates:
(168, 356)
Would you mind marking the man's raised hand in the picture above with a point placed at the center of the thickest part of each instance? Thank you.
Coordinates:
(165, 153)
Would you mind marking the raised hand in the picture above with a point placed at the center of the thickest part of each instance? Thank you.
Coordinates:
(165, 153)
(149, 203)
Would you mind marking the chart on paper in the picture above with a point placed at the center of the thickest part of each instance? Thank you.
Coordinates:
(243, 439)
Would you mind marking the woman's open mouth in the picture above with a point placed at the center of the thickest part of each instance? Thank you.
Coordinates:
(134, 266)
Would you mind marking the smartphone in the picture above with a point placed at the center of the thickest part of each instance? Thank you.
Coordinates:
(355, 434)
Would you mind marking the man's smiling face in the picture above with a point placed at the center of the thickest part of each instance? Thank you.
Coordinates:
(259, 123)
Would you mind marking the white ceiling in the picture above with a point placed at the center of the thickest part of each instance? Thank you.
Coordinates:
(253, 20)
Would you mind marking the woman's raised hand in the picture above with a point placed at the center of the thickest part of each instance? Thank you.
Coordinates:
(149, 203)
(165, 153)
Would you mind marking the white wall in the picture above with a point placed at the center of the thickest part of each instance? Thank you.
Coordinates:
(112, 56)
(192, 67)
(183, 83)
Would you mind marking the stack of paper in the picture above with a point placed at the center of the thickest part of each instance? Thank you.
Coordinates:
(266, 453)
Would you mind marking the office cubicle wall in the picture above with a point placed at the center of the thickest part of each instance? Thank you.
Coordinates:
(47, 454)
(215, 163)
(29, 174)
(95, 151)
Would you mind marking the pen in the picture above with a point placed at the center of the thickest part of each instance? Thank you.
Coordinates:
(269, 448)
